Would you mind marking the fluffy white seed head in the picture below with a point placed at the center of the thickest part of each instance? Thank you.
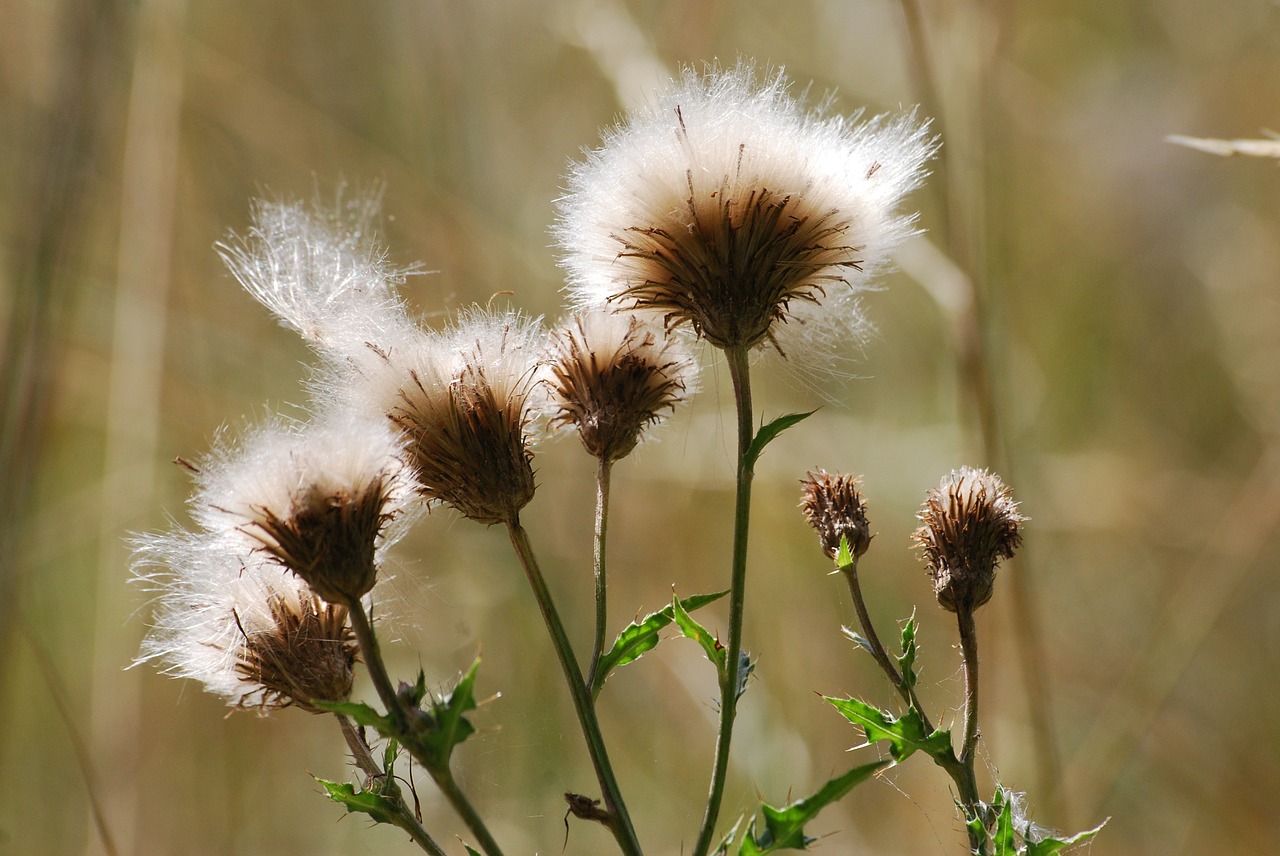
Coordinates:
(463, 400)
(320, 270)
(240, 624)
(323, 500)
(728, 206)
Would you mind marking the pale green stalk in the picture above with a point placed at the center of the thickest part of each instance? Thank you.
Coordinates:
(619, 822)
(601, 538)
(740, 372)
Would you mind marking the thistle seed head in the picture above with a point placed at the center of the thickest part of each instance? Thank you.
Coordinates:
(463, 401)
(613, 376)
(319, 500)
(730, 208)
(240, 624)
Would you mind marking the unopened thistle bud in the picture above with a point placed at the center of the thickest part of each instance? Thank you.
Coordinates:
(971, 524)
(834, 507)
(318, 500)
(728, 207)
(612, 377)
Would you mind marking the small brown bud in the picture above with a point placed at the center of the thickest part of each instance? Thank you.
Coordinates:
(971, 524)
(834, 507)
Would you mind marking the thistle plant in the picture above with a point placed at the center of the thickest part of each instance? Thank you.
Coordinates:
(728, 213)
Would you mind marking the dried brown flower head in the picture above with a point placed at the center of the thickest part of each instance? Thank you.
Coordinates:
(463, 402)
(328, 537)
(613, 376)
(834, 507)
(307, 655)
(971, 524)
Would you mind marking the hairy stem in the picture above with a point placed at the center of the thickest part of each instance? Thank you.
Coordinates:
(404, 818)
(969, 654)
(601, 536)
(619, 822)
(740, 372)
(878, 650)
(373, 664)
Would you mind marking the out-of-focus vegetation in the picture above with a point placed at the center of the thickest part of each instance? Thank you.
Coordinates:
(1128, 300)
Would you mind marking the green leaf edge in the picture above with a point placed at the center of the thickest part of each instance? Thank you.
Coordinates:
(640, 637)
(768, 433)
(784, 827)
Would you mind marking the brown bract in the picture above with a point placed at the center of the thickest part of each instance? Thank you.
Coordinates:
(730, 261)
(327, 537)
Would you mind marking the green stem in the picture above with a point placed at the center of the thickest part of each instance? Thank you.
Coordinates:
(404, 818)
(968, 750)
(448, 786)
(373, 664)
(601, 536)
(619, 821)
(740, 372)
(969, 654)
(878, 650)
(400, 720)
(959, 769)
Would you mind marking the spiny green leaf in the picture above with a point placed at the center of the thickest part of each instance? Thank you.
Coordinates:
(414, 695)
(767, 433)
(978, 830)
(471, 851)
(442, 726)
(360, 713)
(907, 662)
(904, 734)
(1004, 840)
(641, 636)
(784, 827)
(381, 809)
(722, 848)
(389, 756)
(1052, 846)
(715, 652)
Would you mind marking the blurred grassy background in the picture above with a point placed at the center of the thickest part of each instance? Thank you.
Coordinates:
(1130, 331)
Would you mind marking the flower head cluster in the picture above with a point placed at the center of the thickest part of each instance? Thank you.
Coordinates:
(291, 525)
(613, 376)
(970, 524)
(729, 207)
(834, 507)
